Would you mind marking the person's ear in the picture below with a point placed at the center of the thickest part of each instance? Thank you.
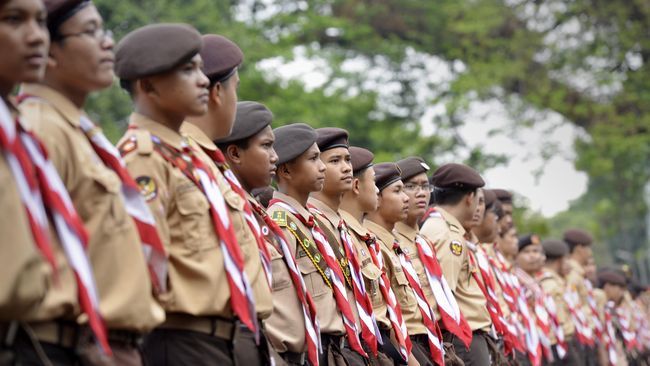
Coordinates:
(283, 172)
(146, 86)
(233, 154)
(215, 94)
(356, 183)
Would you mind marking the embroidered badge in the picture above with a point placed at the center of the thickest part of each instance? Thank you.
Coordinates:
(306, 243)
(293, 226)
(280, 218)
(265, 230)
(456, 247)
(148, 188)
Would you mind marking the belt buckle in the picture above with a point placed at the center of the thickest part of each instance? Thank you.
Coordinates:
(342, 342)
(302, 358)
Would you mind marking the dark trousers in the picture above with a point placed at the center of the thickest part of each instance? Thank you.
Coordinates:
(389, 349)
(421, 350)
(332, 354)
(570, 359)
(478, 353)
(175, 347)
(25, 352)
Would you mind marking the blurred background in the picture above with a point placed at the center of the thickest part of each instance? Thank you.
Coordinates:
(550, 99)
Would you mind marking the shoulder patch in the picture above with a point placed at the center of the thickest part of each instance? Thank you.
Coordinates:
(456, 247)
(453, 228)
(280, 218)
(148, 187)
(127, 146)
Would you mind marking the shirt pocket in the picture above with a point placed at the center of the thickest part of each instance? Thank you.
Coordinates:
(106, 200)
(403, 292)
(313, 280)
(281, 275)
(371, 277)
(243, 232)
(196, 220)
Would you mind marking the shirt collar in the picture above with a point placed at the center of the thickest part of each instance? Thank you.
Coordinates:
(195, 133)
(451, 220)
(159, 130)
(353, 224)
(293, 203)
(406, 231)
(58, 101)
(382, 234)
(331, 215)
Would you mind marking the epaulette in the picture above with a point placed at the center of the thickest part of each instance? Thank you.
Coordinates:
(453, 228)
(144, 142)
(280, 218)
(545, 276)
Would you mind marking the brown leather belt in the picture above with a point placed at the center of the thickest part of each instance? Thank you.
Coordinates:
(211, 325)
(61, 333)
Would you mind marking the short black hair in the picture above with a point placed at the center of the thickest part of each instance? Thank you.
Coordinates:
(360, 172)
(241, 144)
(450, 196)
(223, 78)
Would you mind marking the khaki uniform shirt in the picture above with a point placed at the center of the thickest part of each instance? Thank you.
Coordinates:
(371, 273)
(245, 237)
(329, 317)
(555, 286)
(114, 249)
(285, 328)
(398, 281)
(331, 219)
(447, 235)
(406, 236)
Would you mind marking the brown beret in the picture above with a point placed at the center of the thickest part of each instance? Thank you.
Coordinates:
(221, 57)
(412, 166)
(386, 174)
(331, 137)
(503, 195)
(155, 49)
(250, 119)
(361, 159)
(527, 240)
(457, 176)
(577, 237)
(612, 277)
(555, 248)
(293, 140)
(58, 11)
(490, 197)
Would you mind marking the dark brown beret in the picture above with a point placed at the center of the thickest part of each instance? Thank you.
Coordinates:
(412, 166)
(527, 240)
(331, 137)
(490, 197)
(457, 176)
(361, 158)
(577, 237)
(220, 57)
(250, 119)
(612, 277)
(293, 140)
(555, 248)
(58, 11)
(503, 195)
(386, 174)
(155, 49)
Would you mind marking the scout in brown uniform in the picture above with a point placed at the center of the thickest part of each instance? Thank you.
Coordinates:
(300, 172)
(81, 62)
(613, 285)
(456, 201)
(393, 208)
(160, 67)
(361, 199)
(505, 198)
(551, 279)
(250, 154)
(221, 58)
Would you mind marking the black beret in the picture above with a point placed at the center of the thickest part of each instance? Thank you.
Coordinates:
(577, 237)
(220, 57)
(412, 166)
(527, 240)
(386, 174)
(331, 137)
(490, 197)
(250, 119)
(293, 140)
(361, 158)
(457, 176)
(612, 277)
(503, 195)
(58, 11)
(155, 49)
(555, 248)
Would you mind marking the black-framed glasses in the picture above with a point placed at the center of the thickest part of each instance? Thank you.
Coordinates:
(410, 187)
(98, 34)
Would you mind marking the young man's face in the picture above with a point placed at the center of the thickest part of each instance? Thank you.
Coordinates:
(256, 163)
(613, 292)
(479, 211)
(181, 92)
(583, 253)
(307, 171)
(488, 229)
(531, 258)
(225, 101)
(24, 37)
(338, 171)
(506, 221)
(393, 203)
(368, 193)
(82, 57)
(418, 190)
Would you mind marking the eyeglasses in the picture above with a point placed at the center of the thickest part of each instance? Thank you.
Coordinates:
(415, 187)
(98, 34)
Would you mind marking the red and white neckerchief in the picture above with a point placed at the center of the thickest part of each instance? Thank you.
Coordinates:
(583, 331)
(534, 346)
(434, 335)
(610, 333)
(430, 212)
(561, 346)
(369, 329)
(629, 337)
(220, 160)
(593, 308)
(394, 310)
(642, 329)
(27, 158)
(312, 328)
(543, 321)
(450, 314)
(335, 274)
(135, 204)
(241, 294)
